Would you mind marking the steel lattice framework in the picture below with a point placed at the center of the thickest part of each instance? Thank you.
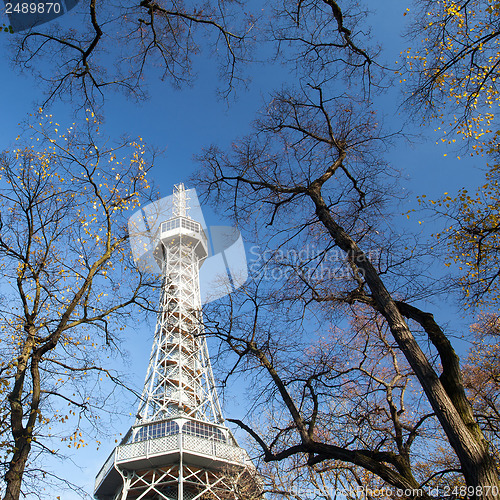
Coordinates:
(179, 379)
(179, 447)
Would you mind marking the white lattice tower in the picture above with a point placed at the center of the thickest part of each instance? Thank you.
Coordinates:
(179, 447)
(179, 379)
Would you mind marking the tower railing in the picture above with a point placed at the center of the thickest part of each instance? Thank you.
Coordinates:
(181, 440)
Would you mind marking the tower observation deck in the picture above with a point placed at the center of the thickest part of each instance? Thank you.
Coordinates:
(179, 447)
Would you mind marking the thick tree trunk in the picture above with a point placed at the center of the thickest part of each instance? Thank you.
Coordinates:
(14, 476)
(22, 434)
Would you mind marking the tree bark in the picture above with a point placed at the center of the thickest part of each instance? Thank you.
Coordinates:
(14, 475)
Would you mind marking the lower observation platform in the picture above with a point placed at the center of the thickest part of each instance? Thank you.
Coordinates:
(187, 441)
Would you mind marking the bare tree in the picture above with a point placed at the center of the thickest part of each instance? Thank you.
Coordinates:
(70, 285)
(103, 45)
(352, 389)
(316, 165)
(327, 39)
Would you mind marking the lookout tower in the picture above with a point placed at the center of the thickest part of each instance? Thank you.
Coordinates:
(179, 447)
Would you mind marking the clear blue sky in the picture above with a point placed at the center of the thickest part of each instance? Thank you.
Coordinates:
(182, 122)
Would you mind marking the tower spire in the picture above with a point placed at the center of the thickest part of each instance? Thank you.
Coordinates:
(178, 447)
(181, 207)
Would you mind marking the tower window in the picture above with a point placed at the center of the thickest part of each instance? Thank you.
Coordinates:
(203, 430)
(156, 430)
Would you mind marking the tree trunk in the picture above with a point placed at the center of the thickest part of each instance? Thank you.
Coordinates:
(22, 434)
(14, 475)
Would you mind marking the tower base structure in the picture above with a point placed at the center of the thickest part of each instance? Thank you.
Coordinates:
(186, 460)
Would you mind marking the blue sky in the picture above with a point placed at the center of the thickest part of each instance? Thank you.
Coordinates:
(182, 122)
